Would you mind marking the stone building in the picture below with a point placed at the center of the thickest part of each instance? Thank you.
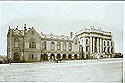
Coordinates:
(95, 41)
(28, 45)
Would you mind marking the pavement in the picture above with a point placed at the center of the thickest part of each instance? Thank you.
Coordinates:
(103, 70)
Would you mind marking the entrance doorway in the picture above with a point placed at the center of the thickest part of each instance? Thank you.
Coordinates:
(69, 56)
(75, 57)
(16, 56)
(52, 56)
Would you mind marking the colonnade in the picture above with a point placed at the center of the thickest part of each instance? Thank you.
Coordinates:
(98, 45)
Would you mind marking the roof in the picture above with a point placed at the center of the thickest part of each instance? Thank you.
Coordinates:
(52, 36)
(17, 32)
(94, 30)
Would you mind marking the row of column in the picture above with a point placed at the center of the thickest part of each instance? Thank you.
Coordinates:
(96, 44)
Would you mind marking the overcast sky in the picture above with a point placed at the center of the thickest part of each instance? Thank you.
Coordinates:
(61, 18)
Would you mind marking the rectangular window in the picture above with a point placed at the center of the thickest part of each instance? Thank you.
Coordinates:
(16, 44)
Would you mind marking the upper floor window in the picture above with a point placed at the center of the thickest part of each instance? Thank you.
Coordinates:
(75, 41)
(104, 43)
(111, 44)
(44, 44)
(87, 48)
(64, 46)
(58, 46)
(52, 45)
(87, 41)
(32, 43)
(70, 46)
(16, 43)
(32, 32)
(108, 43)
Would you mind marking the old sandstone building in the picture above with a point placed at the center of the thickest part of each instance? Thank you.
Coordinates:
(28, 45)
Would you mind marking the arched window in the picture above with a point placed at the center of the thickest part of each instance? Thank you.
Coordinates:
(111, 44)
(104, 43)
(58, 46)
(70, 46)
(112, 50)
(108, 43)
(32, 43)
(87, 48)
(64, 46)
(108, 49)
(44, 45)
(87, 41)
(52, 46)
(104, 49)
(16, 43)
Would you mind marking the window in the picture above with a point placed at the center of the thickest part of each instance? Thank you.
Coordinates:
(44, 45)
(104, 49)
(104, 43)
(32, 56)
(112, 50)
(111, 44)
(75, 41)
(108, 43)
(16, 44)
(70, 46)
(87, 48)
(64, 46)
(87, 41)
(52, 46)
(108, 49)
(32, 43)
(32, 32)
(58, 46)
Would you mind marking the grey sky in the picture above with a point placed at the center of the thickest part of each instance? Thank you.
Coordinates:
(61, 18)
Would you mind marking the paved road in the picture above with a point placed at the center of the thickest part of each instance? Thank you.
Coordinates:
(104, 70)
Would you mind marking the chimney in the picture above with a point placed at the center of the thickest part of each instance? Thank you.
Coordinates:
(25, 29)
(17, 28)
(9, 27)
(24, 26)
(71, 34)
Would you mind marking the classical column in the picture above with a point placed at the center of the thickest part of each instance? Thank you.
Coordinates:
(90, 45)
(98, 45)
(84, 47)
(102, 45)
(106, 46)
(93, 44)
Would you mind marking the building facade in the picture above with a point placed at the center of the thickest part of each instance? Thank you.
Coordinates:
(28, 45)
(96, 42)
